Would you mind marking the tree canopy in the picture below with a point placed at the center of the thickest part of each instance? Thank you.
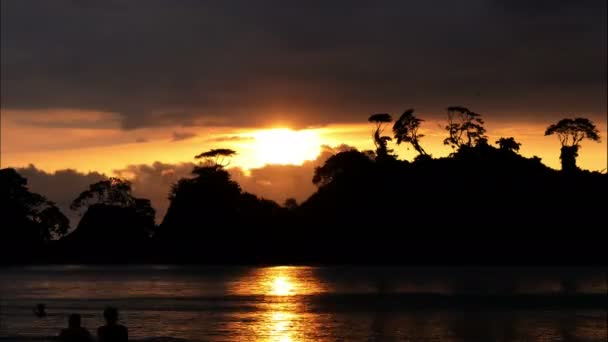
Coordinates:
(571, 132)
(201, 206)
(508, 144)
(217, 156)
(343, 163)
(381, 141)
(380, 118)
(406, 130)
(465, 128)
(30, 217)
(107, 195)
(113, 191)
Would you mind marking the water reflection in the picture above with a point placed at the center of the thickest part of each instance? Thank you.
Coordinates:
(278, 281)
(296, 304)
(281, 325)
(280, 314)
(281, 286)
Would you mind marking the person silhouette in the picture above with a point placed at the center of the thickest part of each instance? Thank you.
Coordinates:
(40, 310)
(74, 332)
(112, 331)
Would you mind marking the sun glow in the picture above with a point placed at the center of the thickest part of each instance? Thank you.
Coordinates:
(286, 146)
(281, 286)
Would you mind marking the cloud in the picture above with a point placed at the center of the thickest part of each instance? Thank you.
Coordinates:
(62, 118)
(141, 140)
(154, 181)
(280, 182)
(231, 138)
(252, 64)
(275, 182)
(61, 187)
(177, 136)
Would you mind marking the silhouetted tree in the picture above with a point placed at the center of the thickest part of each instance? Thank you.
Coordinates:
(53, 223)
(217, 156)
(113, 198)
(209, 199)
(143, 208)
(341, 164)
(29, 217)
(113, 191)
(209, 203)
(508, 144)
(406, 130)
(381, 141)
(465, 128)
(570, 133)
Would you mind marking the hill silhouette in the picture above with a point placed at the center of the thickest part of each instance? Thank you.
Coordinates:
(481, 204)
(105, 233)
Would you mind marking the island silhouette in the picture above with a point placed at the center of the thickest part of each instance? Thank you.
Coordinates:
(484, 203)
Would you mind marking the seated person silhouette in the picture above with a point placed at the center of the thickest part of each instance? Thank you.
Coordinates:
(112, 331)
(40, 310)
(74, 332)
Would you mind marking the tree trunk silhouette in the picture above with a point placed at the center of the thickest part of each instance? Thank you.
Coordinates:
(568, 157)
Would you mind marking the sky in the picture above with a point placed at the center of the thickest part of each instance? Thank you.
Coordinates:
(137, 88)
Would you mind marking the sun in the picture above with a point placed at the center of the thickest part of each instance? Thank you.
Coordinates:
(281, 286)
(286, 146)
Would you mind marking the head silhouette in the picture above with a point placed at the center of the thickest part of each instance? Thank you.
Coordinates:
(74, 321)
(40, 310)
(111, 315)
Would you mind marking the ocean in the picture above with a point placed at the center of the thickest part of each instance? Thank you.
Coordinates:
(289, 303)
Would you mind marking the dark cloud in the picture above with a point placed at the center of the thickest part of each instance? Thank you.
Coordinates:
(154, 182)
(275, 182)
(541, 7)
(141, 140)
(47, 122)
(244, 63)
(178, 136)
(61, 187)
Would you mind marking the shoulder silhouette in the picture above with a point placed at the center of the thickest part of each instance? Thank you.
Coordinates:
(112, 331)
(75, 332)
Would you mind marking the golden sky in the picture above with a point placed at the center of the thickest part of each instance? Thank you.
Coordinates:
(29, 138)
(80, 93)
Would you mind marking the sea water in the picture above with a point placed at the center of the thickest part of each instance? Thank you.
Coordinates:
(287, 303)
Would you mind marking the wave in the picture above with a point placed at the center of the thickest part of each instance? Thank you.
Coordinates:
(252, 302)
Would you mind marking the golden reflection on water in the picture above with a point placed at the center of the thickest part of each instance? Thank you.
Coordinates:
(278, 281)
(277, 304)
(280, 314)
(281, 324)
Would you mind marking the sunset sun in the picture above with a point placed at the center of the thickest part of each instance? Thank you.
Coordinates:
(281, 286)
(286, 146)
